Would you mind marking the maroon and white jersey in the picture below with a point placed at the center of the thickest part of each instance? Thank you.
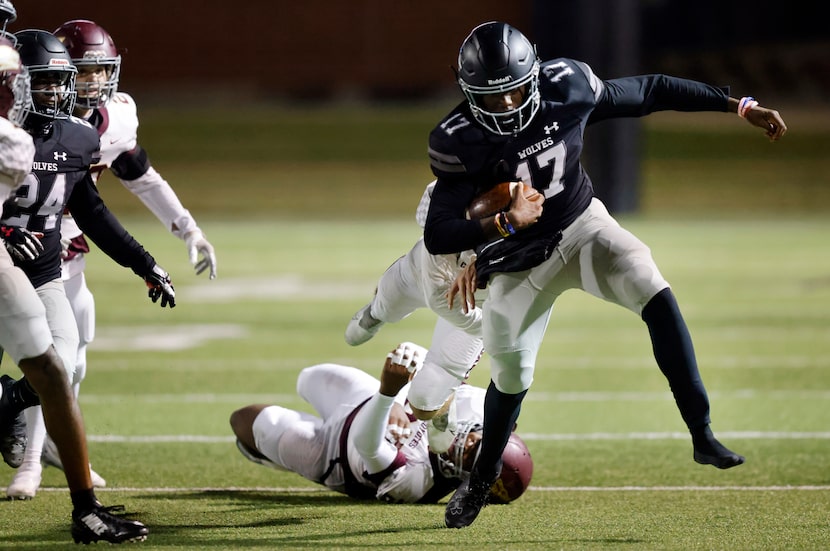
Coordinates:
(118, 128)
(313, 445)
(117, 125)
(416, 477)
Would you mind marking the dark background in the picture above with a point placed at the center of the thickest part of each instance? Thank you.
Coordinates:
(225, 55)
(375, 49)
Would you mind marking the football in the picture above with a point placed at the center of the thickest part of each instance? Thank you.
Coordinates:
(516, 472)
(496, 199)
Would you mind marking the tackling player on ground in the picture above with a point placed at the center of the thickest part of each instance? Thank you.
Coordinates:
(523, 120)
(364, 444)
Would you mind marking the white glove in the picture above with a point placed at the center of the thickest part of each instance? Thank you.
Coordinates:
(196, 245)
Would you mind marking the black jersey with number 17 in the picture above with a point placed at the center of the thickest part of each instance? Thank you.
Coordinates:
(467, 158)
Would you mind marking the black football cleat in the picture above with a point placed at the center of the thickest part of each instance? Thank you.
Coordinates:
(723, 459)
(709, 451)
(468, 501)
(100, 524)
(12, 428)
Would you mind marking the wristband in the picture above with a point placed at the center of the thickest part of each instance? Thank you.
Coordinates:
(505, 224)
(497, 221)
(745, 104)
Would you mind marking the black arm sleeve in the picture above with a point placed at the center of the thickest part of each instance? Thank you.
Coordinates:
(100, 225)
(445, 232)
(640, 95)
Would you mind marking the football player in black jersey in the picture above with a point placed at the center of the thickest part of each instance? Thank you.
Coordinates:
(65, 147)
(523, 120)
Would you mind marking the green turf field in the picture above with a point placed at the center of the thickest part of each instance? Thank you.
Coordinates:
(613, 466)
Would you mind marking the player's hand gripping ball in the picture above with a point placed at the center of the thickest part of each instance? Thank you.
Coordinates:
(496, 199)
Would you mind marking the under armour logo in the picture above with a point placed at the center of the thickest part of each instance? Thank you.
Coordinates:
(59, 156)
(553, 127)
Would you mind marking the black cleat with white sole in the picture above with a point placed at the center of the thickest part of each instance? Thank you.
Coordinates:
(100, 524)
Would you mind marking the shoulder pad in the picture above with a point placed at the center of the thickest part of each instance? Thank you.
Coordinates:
(78, 120)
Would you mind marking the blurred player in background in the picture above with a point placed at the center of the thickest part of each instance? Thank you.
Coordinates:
(523, 120)
(25, 334)
(364, 444)
(114, 115)
(421, 280)
(65, 147)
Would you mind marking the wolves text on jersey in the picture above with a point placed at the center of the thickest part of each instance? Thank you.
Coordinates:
(535, 148)
(47, 167)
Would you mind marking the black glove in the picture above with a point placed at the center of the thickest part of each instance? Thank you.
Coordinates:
(160, 287)
(21, 243)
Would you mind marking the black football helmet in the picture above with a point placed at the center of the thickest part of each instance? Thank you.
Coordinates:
(89, 44)
(496, 58)
(14, 84)
(52, 76)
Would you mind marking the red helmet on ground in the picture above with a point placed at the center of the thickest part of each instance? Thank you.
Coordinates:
(88, 45)
(516, 472)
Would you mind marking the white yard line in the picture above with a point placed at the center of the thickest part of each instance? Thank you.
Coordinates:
(289, 489)
(575, 396)
(736, 435)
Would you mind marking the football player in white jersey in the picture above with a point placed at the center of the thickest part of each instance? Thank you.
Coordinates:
(416, 280)
(24, 330)
(364, 443)
(115, 117)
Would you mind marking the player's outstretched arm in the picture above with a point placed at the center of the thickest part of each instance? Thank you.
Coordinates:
(768, 120)
(103, 228)
(134, 170)
(371, 423)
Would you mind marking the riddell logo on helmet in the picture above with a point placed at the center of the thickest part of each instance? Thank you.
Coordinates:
(501, 80)
(61, 62)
